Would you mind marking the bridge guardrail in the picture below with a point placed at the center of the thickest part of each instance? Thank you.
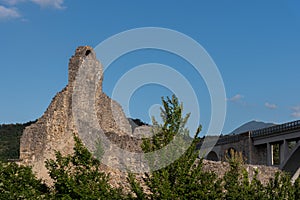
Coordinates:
(276, 129)
(229, 139)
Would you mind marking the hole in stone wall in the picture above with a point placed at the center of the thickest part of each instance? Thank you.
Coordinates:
(87, 52)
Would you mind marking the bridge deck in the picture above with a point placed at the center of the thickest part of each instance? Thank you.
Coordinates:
(276, 129)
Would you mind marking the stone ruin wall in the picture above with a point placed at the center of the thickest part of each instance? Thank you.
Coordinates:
(54, 130)
(220, 168)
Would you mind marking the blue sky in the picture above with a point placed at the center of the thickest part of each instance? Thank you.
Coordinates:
(255, 44)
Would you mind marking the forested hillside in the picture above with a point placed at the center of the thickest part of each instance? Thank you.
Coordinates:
(10, 140)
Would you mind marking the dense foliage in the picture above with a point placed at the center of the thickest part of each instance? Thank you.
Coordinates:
(182, 179)
(79, 176)
(18, 182)
(238, 186)
(10, 140)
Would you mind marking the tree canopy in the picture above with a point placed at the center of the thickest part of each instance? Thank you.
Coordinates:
(78, 176)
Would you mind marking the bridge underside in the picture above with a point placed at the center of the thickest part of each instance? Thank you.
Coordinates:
(292, 163)
(274, 146)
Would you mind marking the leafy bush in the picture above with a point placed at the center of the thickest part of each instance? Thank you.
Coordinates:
(78, 176)
(236, 180)
(184, 178)
(18, 182)
(281, 187)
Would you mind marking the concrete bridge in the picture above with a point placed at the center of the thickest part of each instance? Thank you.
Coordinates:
(274, 146)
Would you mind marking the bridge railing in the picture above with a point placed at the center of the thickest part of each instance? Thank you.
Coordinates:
(229, 139)
(276, 129)
(223, 139)
(219, 141)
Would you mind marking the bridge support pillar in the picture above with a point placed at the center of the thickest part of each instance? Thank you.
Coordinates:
(284, 151)
(269, 154)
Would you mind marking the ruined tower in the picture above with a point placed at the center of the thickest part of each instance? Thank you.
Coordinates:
(54, 130)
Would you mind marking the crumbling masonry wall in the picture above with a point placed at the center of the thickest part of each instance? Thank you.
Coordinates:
(54, 130)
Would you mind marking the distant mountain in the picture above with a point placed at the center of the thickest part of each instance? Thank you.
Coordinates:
(251, 126)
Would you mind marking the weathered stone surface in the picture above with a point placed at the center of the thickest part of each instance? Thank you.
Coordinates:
(220, 168)
(54, 130)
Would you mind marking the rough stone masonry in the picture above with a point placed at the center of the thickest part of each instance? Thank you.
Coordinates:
(54, 130)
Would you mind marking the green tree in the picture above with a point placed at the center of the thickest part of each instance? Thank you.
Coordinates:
(236, 180)
(78, 176)
(184, 178)
(10, 135)
(297, 188)
(281, 187)
(18, 182)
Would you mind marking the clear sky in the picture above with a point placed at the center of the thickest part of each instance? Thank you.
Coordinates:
(255, 45)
